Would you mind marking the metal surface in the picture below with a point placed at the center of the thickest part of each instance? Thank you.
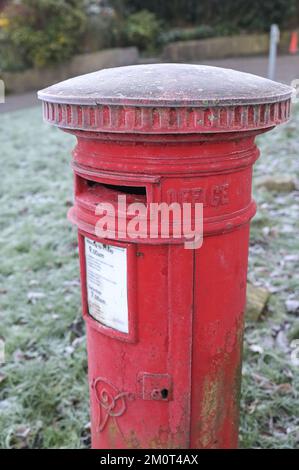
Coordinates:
(166, 85)
(166, 98)
(173, 380)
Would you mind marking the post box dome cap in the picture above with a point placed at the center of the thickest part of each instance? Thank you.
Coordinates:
(177, 85)
(166, 98)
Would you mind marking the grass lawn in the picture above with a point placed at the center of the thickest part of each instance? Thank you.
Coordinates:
(43, 386)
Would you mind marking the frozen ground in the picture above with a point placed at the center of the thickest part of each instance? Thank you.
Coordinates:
(43, 386)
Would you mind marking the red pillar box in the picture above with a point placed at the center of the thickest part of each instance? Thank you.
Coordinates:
(164, 322)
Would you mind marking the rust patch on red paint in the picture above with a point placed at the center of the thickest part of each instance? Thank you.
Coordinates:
(132, 441)
(113, 433)
(165, 439)
(211, 413)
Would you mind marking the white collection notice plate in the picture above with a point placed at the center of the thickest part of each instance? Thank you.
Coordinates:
(106, 277)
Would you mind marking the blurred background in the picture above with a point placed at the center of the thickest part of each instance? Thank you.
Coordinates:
(43, 386)
(43, 41)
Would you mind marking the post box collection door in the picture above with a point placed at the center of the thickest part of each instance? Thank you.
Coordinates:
(164, 322)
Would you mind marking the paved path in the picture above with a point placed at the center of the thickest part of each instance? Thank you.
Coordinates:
(287, 66)
(287, 70)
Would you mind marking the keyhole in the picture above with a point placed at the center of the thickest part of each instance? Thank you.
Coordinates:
(160, 394)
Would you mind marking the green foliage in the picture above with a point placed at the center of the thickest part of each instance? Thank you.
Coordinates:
(103, 31)
(187, 34)
(256, 16)
(10, 58)
(45, 32)
(142, 30)
(230, 14)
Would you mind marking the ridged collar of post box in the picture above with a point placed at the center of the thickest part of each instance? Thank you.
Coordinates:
(166, 99)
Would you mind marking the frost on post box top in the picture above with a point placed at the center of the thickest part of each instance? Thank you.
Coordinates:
(168, 85)
(160, 86)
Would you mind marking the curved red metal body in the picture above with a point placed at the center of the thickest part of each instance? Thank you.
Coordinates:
(173, 379)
